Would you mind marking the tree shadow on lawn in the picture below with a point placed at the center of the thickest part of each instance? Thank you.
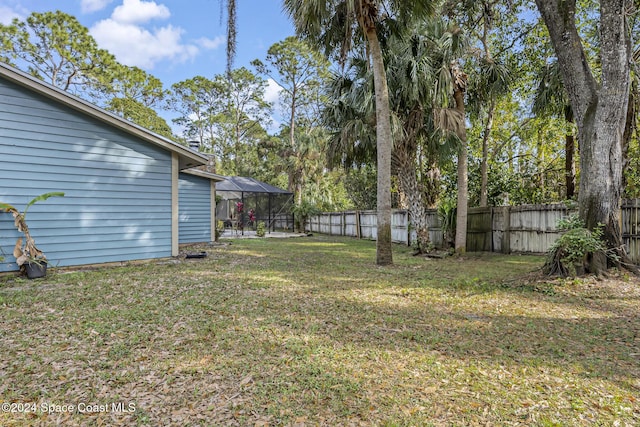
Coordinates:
(233, 336)
(349, 353)
(591, 338)
(454, 307)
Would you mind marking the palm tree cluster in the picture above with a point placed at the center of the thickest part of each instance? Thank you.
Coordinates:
(418, 65)
(341, 28)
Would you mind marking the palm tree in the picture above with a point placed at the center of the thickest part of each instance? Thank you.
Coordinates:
(551, 98)
(446, 47)
(231, 32)
(410, 60)
(490, 78)
(334, 25)
(459, 83)
(490, 81)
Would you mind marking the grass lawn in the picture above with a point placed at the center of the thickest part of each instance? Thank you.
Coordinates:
(308, 331)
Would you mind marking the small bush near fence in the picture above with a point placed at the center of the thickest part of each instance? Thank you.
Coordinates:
(567, 256)
(261, 229)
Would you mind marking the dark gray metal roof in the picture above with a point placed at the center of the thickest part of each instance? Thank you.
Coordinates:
(247, 185)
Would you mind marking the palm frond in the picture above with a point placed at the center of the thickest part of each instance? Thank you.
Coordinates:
(449, 120)
(551, 97)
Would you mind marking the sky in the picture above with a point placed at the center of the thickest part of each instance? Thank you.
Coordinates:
(171, 39)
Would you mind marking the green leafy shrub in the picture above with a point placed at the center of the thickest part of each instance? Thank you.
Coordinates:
(261, 229)
(569, 253)
(302, 212)
(447, 216)
(219, 228)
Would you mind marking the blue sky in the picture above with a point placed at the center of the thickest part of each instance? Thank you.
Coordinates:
(172, 39)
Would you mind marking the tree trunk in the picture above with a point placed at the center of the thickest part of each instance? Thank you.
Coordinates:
(384, 144)
(569, 167)
(601, 184)
(236, 145)
(484, 167)
(569, 150)
(463, 182)
(404, 161)
(295, 178)
(629, 129)
(601, 154)
(298, 189)
(600, 112)
(540, 162)
(299, 223)
(431, 184)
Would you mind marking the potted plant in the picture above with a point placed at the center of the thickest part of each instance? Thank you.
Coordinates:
(29, 258)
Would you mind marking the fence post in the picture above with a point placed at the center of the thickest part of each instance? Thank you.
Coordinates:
(358, 231)
(506, 235)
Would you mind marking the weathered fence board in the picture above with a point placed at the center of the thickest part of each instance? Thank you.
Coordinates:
(282, 222)
(506, 229)
(534, 228)
(631, 228)
(400, 230)
(479, 230)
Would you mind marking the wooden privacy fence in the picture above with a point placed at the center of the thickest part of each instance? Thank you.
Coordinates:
(506, 229)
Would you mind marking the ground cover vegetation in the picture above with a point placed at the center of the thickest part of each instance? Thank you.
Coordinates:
(262, 332)
(477, 97)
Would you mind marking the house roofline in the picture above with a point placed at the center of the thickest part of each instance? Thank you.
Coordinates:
(188, 158)
(204, 174)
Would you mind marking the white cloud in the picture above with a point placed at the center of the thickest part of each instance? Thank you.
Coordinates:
(125, 35)
(272, 96)
(272, 93)
(88, 6)
(7, 14)
(135, 46)
(211, 43)
(137, 11)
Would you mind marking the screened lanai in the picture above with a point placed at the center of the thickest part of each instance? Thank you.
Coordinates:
(246, 201)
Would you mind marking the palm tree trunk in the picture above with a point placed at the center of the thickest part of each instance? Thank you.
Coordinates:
(463, 201)
(384, 143)
(295, 179)
(540, 162)
(405, 164)
(463, 182)
(629, 128)
(569, 150)
(484, 167)
(231, 34)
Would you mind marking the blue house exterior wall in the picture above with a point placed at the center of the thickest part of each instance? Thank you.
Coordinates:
(117, 203)
(195, 209)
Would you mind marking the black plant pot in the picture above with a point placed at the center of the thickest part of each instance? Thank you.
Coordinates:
(35, 270)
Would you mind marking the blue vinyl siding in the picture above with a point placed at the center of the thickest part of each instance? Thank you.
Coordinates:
(117, 204)
(195, 209)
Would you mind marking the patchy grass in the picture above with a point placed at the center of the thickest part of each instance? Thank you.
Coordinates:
(310, 332)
